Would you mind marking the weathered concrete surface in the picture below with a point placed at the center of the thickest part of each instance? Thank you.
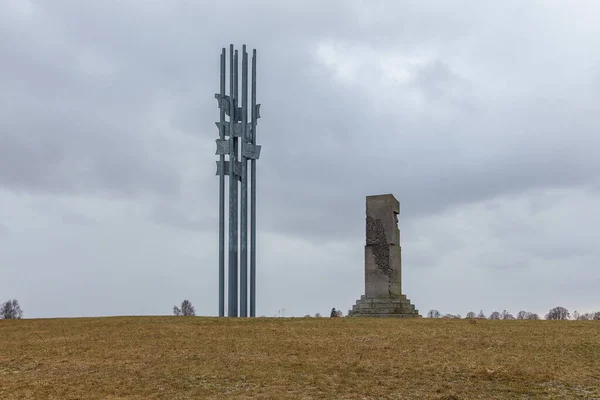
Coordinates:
(383, 262)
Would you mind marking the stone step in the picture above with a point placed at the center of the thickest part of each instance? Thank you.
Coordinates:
(387, 315)
(394, 306)
(364, 299)
(388, 299)
(397, 310)
(382, 301)
(394, 309)
(390, 303)
(383, 305)
(378, 306)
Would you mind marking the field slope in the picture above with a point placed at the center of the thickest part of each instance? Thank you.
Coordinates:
(297, 358)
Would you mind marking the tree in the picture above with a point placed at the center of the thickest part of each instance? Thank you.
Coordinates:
(558, 313)
(507, 315)
(522, 314)
(532, 316)
(495, 315)
(11, 310)
(481, 315)
(186, 310)
(433, 314)
(590, 316)
(318, 315)
(576, 315)
(452, 316)
(471, 315)
(340, 313)
(583, 316)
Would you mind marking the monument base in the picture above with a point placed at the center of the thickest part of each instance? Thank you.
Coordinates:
(392, 306)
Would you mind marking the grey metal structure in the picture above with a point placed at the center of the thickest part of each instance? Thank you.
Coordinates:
(231, 130)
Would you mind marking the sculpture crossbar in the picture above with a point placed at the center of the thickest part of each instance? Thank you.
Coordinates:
(237, 143)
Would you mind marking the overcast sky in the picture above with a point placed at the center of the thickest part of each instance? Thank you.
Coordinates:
(482, 118)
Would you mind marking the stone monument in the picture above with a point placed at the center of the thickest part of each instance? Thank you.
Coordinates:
(383, 266)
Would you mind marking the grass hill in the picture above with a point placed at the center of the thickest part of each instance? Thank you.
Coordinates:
(297, 358)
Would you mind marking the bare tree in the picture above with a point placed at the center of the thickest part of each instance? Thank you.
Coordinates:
(481, 315)
(11, 310)
(507, 315)
(590, 316)
(471, 315)
(318, 315)
(453, 316)
(495, 315)
(433, 314)
(186, 310)
(584, 316)
(576, 315)
(532, 316)
(558, 313)
(522, 314)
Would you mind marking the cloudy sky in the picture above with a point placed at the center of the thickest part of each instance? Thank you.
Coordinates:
(482, 118)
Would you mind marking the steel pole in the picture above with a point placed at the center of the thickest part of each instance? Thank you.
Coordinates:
(253, 194)
(222, 194)
(232, 290)
(244, 194)
(236, 275)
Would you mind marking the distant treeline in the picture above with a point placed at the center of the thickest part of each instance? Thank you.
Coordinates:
(12, 310)
(556, 313)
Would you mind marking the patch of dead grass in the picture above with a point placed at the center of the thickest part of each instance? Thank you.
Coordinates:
(297, 358)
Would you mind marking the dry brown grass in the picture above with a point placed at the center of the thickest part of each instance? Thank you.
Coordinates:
(298, 358)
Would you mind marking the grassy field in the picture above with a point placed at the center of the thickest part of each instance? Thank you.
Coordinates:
(297, 358)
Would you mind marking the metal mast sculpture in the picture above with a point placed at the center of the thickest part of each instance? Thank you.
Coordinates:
(231, 130)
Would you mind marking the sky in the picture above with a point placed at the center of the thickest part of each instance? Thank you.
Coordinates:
(478, 116)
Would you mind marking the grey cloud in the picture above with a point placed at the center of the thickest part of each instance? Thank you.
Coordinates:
(436, 80)
(64, 214)
(315, 133)
(174, 216)
(74, 154)
(77, 219)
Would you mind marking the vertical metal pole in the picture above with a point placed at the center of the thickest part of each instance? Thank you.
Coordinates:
(222, 196)
(244, 194)
(253, 195)
(232, 290)
(236, 194)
